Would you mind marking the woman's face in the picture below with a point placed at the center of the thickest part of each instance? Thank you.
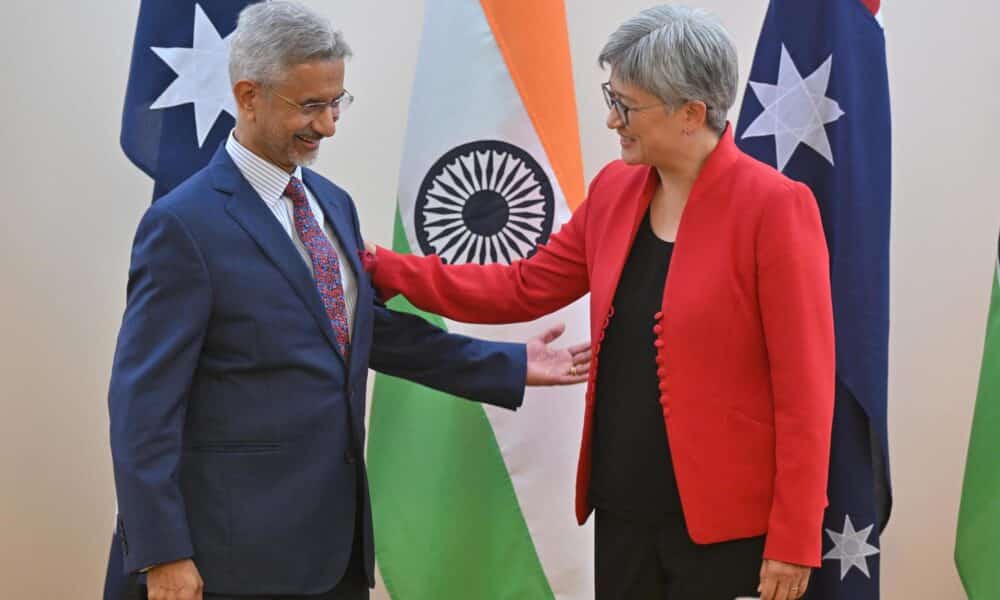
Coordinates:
(654, 132)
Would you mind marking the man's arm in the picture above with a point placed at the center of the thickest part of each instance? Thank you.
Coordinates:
(407, 346)
(166, 314)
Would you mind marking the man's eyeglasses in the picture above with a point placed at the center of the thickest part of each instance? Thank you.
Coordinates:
(612, 100)
(315, 109)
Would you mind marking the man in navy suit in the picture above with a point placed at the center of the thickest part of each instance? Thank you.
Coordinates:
(237, 394)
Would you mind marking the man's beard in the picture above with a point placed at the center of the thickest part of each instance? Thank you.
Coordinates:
(304, 160)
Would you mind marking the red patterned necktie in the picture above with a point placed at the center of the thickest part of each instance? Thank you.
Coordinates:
(326, 265)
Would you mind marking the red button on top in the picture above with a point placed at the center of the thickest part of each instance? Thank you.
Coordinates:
(658, 329)
(658, 315)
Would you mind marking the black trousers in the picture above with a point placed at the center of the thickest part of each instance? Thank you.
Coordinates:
(636, 560)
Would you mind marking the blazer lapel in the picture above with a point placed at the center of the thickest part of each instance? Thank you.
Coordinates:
(249, 210)
(619, 244)
(339, 219)
(339, 215)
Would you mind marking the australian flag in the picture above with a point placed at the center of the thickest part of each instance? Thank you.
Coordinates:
(817, 108)
(179, 105)
(178, 109)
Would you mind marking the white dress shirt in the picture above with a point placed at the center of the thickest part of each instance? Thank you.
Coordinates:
(270, 181)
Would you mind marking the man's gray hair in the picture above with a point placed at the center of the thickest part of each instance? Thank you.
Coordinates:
(272, 37)
(678, 54)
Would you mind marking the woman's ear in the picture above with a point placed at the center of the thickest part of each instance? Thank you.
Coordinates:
(695, 114)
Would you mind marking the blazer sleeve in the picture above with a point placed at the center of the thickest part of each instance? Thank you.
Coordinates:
(797, 313)
(407, 346)
(553, 277)
(166, 315)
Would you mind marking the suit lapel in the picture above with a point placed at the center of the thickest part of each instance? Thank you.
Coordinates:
(619, 244)
(252, 214)
(338, 215)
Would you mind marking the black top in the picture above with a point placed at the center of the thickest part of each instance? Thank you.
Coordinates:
(632, 471)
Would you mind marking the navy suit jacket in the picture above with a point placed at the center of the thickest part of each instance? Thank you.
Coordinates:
(237, 427)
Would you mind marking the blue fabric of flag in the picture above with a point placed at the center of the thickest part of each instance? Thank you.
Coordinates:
(852, 186)
(163, 142)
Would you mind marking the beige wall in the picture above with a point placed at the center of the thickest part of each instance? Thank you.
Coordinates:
(71, 203)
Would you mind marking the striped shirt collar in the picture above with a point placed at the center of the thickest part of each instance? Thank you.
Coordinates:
(266, 178)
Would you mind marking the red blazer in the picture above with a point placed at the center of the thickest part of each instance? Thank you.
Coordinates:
(744, 338)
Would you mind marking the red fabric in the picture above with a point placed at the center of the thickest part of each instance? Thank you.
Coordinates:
(873, 5)
(744, 337)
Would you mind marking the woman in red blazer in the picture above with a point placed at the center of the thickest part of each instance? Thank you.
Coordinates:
(710, 398)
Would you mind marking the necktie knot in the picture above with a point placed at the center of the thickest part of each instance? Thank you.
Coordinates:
(296, 191)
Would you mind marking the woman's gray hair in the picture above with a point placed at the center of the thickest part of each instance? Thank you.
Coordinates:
(272, 37)
(677, 54)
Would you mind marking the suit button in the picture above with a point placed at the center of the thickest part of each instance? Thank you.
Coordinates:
(658, 329)
(661, 372)
(658, 315)
(658, 343)
(121, 535)
(663, 386)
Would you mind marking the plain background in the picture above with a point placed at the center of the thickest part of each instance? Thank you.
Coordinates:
(71, 202)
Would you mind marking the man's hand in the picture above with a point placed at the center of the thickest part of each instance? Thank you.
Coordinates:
(782, 581)
(550, 366)
(178, 580)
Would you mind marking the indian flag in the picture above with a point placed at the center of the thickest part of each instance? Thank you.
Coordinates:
(472, 501)
(976, 551)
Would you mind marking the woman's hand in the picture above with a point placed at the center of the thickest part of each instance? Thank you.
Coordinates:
(782, 581)
(370, 247)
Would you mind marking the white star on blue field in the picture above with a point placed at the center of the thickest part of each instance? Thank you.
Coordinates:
(851, 548)
(202, 76)
(796, 110)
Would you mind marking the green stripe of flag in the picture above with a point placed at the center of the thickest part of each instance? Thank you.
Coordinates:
(977, 551)
(447, 521)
